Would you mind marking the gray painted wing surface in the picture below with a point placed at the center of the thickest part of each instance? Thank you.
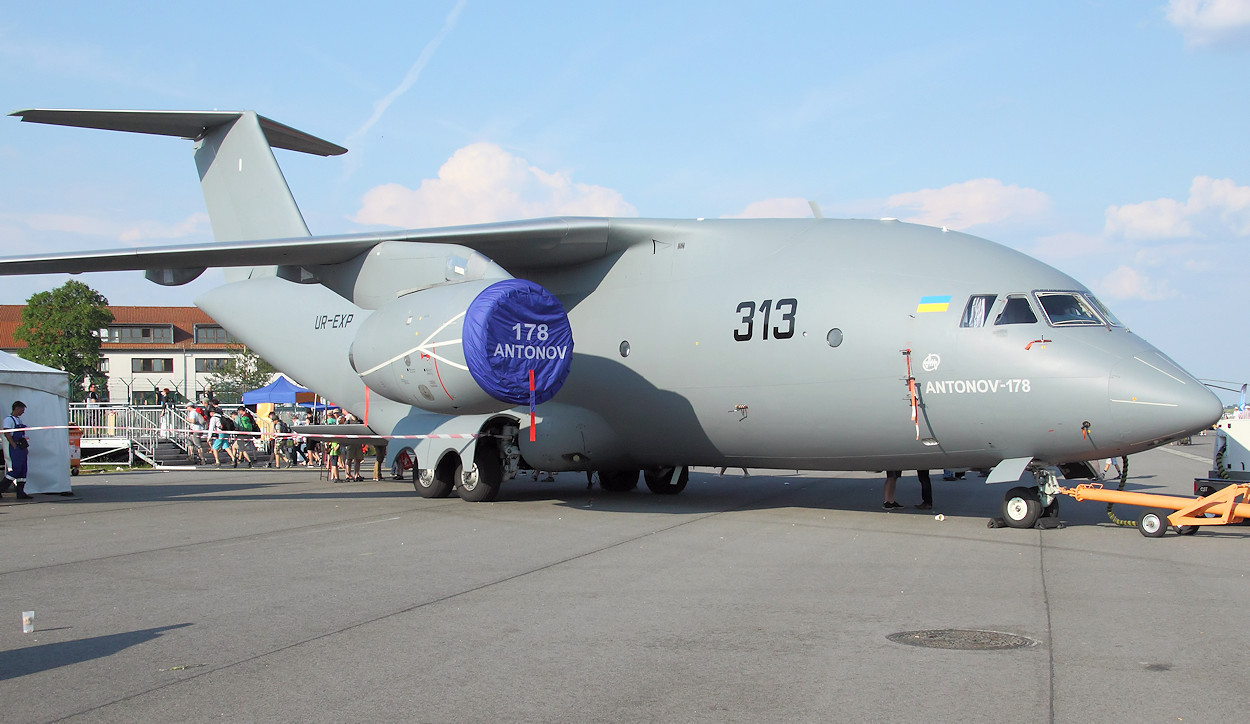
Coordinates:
(532, 243)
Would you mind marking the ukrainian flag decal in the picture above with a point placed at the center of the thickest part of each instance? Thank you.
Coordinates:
(934, 304)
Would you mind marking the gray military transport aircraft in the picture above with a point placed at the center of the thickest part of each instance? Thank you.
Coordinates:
(814, 344)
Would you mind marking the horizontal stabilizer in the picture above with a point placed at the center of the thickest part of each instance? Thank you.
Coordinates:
(192, 125)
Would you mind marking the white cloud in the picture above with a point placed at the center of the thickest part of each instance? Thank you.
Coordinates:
(968, 204)
(1128, 283)
(482, 182)
(54, 228)
(1215, 207)
(1211, 22)
(196, 223)
(790, 208)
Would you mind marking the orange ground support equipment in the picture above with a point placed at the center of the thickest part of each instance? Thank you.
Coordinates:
(1227, 505)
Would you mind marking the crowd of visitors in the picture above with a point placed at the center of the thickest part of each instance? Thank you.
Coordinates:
(233, 438)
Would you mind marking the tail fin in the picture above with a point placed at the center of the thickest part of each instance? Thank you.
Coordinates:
(245, 191)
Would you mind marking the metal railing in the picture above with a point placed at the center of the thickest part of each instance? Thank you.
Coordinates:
(143, 426)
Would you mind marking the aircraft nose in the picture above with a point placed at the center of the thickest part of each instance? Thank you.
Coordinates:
(1154, 399)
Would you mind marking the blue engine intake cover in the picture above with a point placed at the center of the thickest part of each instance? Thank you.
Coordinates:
(512, 327)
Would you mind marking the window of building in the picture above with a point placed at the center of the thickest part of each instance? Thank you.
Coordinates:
(104, 365)
(212, 334)
(152, 364)
(210, 364)
(117, 334)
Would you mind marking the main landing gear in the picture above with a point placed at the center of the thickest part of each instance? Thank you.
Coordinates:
(661, 480)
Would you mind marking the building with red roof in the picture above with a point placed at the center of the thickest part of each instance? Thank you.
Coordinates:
(147, 349)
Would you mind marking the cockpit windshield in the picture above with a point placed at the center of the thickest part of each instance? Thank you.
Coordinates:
(1102, 309)
(1016, 310)
(1068, 309)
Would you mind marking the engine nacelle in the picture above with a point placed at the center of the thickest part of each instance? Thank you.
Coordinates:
(468, 348)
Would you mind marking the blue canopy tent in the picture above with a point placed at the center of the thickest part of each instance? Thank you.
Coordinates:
(279, 392)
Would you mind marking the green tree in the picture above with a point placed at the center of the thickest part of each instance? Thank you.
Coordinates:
(245, 371)
(61, 329)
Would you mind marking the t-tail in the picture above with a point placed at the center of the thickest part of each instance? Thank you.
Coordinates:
(244, 189)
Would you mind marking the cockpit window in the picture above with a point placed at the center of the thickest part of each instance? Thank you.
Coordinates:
(1068, 309)
(977, 311)
(1016, 310)
(1102, 309)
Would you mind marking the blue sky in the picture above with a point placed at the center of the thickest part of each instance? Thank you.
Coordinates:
(1108, 139)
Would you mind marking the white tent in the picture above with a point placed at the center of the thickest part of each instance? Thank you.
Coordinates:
(46, 394)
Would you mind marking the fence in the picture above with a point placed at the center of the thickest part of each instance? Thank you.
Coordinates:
(136, 428)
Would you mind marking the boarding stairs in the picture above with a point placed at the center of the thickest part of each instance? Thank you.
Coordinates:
(153, 434)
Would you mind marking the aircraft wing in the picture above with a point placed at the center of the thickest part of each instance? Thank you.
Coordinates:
(529, 244)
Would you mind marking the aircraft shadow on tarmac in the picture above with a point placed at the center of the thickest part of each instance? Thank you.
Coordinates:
(45, 657)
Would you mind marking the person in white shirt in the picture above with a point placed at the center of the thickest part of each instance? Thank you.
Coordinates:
(15, 433)
(196, 422)
(219, 439)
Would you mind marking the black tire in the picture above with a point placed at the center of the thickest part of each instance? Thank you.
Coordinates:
(489, 469)
(661, 480)
(446, 475)
(1187, 529)
(618, 481)
(1153, 523)
(1021, 508)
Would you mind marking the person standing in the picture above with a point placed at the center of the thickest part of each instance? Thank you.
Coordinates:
(926, 490)
(891, 482)
(15, 434)
(332, 455)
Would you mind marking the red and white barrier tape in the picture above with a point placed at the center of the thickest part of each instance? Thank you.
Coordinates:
(253, 433)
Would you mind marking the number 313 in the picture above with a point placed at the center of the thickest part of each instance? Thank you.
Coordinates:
(785, 307)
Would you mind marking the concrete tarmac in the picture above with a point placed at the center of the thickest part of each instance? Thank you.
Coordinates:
(259, 595)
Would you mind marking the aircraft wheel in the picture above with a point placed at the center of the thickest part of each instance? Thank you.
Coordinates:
(1153, 523)
(481, 485)
(618, 481)
(661, 480)
(446, 475)
(435, 485)
(1186, 529)
(1021, 508)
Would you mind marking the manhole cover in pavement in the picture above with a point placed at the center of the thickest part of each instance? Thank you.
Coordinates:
(963, 639)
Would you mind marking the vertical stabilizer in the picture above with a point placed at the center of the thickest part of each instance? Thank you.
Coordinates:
(246, 193)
